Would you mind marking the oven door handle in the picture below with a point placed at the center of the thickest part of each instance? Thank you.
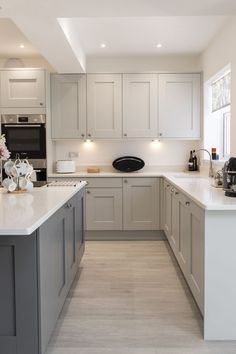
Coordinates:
(22, 125)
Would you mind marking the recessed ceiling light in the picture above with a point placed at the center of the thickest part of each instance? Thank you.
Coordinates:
(22, 46)
(159, 45)
(103, 45)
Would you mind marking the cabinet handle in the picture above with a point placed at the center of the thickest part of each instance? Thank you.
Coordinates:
(187, 203)
(88, 192)
(125, 181)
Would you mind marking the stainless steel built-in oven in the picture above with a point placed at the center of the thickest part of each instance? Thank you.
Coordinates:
(26, 138)
(25, 135)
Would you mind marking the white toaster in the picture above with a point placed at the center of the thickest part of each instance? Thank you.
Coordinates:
(65, 166)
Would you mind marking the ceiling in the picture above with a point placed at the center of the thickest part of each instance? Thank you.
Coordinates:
(10, 40)
(140, 35)
(65, 32)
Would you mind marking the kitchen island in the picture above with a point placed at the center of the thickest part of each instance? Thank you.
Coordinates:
(41, 245)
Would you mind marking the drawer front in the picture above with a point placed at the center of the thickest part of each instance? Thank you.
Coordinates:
(104, 182)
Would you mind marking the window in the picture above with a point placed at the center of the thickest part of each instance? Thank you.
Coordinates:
(217, 113)
(221, 92)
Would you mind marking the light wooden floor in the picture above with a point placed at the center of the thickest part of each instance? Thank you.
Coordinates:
(130, 298)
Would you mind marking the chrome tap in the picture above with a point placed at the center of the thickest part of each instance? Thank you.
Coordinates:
(211, 171)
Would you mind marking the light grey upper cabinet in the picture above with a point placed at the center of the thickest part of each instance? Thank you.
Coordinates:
(179, 106)
(23, 89)
(68, 97)
(104, 105)
(140, 100)
(141, 203)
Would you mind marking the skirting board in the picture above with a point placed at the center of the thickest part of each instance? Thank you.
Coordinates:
(125, 235)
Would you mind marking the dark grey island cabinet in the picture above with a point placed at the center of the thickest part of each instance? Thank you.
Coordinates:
(36, 273)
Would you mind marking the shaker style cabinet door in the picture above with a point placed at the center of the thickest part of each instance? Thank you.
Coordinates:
(179, 106)
(167, 209)
(183, 252)
(68, 98)
(196, 259)
(104, 106)
(140, 102)
(141, 203)
(104, 209)
(23, 89)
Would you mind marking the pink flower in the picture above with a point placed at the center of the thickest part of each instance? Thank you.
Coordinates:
(4, 153)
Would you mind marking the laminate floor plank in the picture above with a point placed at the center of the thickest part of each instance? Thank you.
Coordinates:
(130, 297)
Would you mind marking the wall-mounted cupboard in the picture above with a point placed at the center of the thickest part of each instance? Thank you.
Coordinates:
(68, 98)
(23, 89)
(126, 106)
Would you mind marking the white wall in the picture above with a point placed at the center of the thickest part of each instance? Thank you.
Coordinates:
(164, 153)
(220, 53)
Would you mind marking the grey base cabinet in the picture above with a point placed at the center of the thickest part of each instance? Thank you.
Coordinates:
(184, 229)
(36, 273)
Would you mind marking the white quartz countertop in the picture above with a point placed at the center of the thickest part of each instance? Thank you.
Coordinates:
(22, 214)
(194, 185)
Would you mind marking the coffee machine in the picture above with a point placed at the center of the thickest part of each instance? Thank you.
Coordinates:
(229, 177)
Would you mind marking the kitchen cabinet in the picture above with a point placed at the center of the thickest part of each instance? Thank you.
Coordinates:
(141, 203)
(167, 209)
(61, 244)
(179, 106)
(183, 253)
(104, 105)
(184, 228)
(196, 259)
(68, 105)
(36, 272)
(23, 89)
(140, 100)
(174, 235)
(104, 204)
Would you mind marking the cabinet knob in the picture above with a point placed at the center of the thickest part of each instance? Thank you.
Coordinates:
(41, 103)
(125, 134)
(167, 185)
(160, 134)
(89, 135)
(187, 203)
(172, 190)
(176, 193)
(82, 135)
(125, 181)
(88, 192)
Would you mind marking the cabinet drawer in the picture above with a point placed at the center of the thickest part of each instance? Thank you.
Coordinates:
(103, 182)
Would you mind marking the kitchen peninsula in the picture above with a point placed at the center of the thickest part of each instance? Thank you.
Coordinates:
(41, 245)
